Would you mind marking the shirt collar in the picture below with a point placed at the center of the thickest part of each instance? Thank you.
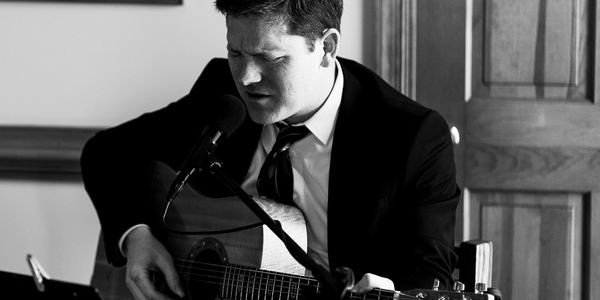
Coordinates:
(322, 122)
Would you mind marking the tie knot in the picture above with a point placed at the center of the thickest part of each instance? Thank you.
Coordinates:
(289, 135)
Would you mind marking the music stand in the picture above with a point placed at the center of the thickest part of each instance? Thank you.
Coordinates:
(39, 286)
(20, 286)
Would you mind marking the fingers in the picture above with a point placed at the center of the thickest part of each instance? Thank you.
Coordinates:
(146, 255)
(135, 291)
(171, 277)
(370, 281)
(141, 286)
(133, 281)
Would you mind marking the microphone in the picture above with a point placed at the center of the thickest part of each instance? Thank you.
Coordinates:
(224, 116)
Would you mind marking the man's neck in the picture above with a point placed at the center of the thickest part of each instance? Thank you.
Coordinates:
(329, 75)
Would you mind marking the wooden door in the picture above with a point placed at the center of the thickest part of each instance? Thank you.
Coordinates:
(532, 155)
(520, 79)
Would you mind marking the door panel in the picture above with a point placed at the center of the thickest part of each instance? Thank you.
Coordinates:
(531, 49)
(532, 145)
(538, 239)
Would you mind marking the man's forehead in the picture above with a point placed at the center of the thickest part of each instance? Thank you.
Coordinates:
(255, 34)
(254, 45)
(255, 25)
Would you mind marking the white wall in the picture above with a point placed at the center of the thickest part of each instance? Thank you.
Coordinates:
(54, 222)
(64, 64)
(101, 64)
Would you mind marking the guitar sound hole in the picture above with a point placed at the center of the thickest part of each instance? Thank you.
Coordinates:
(203, 274)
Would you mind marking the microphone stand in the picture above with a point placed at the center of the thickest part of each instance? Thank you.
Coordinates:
(333, 289)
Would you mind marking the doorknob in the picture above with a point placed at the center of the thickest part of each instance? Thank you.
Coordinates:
(455, 135)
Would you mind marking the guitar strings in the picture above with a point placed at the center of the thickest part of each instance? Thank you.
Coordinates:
(239, 274)
(193, 263)
(230, 274)
(235, 287)
(243, 289)
(237, 279)
(237, 271)
(239, 287)
(200, 266)
(237, 283)
(216, 274)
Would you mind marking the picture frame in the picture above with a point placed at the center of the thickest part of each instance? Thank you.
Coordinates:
(166, 2)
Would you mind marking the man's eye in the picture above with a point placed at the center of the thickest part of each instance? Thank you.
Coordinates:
(275, 59)
(234, 54)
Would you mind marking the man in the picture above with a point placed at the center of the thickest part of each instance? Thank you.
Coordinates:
(375, 170)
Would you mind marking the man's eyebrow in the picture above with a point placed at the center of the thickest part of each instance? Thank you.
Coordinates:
(229, 48)
(264, 52)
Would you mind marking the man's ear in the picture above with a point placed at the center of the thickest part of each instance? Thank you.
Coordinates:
(331, 43)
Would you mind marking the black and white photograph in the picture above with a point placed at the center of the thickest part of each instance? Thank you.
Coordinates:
(300, 149)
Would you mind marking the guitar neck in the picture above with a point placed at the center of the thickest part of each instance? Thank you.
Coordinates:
(250, 283)
(237, 282)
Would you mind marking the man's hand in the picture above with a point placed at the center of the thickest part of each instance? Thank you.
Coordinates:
(145, 255)
(370, 281)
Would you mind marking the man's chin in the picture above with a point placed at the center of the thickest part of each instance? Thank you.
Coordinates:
(263, 118)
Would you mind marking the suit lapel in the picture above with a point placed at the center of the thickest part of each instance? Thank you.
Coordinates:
(343, 165)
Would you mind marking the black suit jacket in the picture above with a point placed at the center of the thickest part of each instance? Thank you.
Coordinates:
(392, 189)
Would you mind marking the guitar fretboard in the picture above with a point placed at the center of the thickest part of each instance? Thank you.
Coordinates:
(238, 282)
(241, 283)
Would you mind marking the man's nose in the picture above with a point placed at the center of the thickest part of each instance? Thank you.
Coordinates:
(249, 72)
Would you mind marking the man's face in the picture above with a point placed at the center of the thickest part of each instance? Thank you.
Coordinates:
(276, 74)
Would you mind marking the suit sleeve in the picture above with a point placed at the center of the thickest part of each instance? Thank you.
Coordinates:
(431, 178)
(114, 160)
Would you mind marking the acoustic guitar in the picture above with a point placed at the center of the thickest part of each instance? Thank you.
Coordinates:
(233, 256)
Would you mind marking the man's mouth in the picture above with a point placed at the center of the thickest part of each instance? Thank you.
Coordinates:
(256, 96)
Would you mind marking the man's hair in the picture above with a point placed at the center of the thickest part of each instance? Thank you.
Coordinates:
(307, 18)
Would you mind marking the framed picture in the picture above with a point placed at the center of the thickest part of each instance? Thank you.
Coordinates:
(175, 2)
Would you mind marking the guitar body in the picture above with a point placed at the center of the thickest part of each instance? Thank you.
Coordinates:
(191, 211)
(256, 246)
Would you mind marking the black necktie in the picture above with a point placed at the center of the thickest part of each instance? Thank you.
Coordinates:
(275, 180)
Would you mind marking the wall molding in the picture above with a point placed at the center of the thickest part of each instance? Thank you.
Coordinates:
(37, 152)
(396, 43)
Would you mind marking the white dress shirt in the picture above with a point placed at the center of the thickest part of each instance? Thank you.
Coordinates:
(310, 157)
